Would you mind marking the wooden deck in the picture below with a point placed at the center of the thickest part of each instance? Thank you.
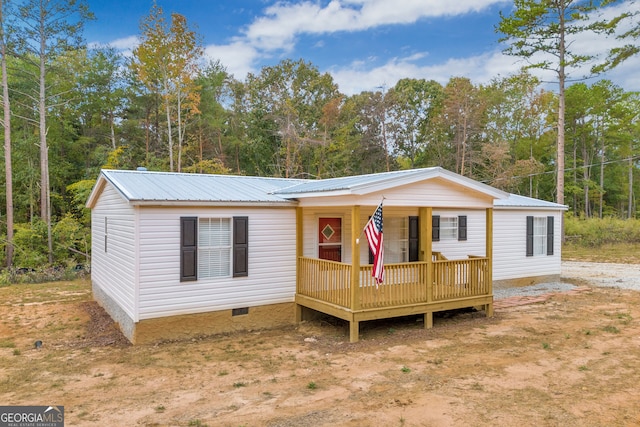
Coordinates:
(421, 287)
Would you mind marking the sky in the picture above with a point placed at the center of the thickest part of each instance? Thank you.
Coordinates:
(366, 45)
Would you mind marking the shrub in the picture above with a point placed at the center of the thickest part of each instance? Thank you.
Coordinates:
(594, 232)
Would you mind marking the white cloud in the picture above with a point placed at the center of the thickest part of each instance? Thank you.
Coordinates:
(239, 57)
(275, 33)
(480, 69)
(283, 22)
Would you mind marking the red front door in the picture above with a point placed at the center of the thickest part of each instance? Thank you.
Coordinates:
(330, 239)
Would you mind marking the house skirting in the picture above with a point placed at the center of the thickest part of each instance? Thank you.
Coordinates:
(124, 321)
(188, 326)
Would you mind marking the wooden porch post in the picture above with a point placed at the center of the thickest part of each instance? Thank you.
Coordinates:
(426, 254)
(354, 325)
(489, 254)
(299, 252)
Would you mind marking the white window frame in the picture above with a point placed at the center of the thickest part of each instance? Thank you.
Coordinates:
(396, 242)
(215, 247)
(448, 228)
(539, 235)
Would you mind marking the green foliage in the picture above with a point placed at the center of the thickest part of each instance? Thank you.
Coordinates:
(30, 243)
(594, 232)
(72, 243)
(79, 192)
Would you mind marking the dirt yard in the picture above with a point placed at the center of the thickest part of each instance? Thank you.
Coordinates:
(568, 359)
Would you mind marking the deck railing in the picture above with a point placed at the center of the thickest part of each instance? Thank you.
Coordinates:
(460, 278)
(404, 284)
(324, 280)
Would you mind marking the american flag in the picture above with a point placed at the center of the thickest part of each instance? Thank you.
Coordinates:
(373, 231)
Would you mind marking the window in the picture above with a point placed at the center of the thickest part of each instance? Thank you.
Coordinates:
(330, 239)
(449, 228)
(539, 235)
(396, 245)
(213, 247)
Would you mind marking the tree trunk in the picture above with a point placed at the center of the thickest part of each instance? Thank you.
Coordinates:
(630, 211)
(167, 105)
(7, 143)
(601, 178)
(45, 191)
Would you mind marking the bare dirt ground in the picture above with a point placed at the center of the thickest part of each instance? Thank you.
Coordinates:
(567, 359)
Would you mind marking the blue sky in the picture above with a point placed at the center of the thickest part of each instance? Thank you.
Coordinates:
(364, 44)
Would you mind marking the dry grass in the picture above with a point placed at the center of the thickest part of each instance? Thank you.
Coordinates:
(625, 253)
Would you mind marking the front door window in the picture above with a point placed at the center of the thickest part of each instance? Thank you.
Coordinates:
(330, 239)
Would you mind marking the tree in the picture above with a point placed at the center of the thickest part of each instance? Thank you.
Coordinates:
(462, 114)
(45, 30)
(539, 31)
(290, 97)
(415, 106)
(166, 62)
(515, 133)
(6, 124)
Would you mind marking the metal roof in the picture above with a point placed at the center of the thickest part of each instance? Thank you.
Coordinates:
(145, 186)
(362, 184)
(517, 201)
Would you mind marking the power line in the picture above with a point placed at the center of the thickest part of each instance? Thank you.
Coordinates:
(566, 169)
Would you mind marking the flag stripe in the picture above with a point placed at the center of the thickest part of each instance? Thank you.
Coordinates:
(373, 232)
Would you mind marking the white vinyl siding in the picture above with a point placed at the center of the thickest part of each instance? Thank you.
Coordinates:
(510, 260)
(214, 247)
(451, 247)
(113, 249)
(272, 263)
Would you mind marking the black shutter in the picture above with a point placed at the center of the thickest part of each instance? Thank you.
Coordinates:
(414, 238)
(435, 226)
(529, 236)
(462, 227)
(188, 249)
(549, 235)
(240, 246)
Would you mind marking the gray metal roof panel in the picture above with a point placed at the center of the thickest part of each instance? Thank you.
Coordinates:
(362, 183)
(517, 201)
(348, 182)
(146, 186)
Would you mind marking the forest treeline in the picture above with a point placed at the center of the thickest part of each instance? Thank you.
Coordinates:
(167, 108)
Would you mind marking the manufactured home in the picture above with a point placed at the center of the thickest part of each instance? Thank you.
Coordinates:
(179, 255)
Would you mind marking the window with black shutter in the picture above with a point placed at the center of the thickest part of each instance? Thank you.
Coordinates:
(539, 235)
(213, 247)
